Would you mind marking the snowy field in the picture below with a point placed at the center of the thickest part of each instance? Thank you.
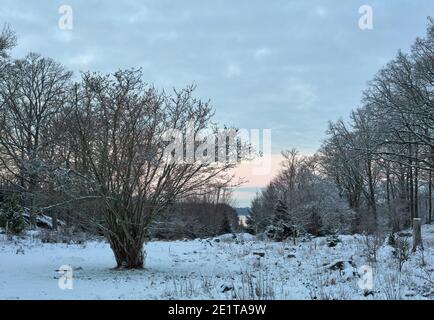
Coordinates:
(226, 268)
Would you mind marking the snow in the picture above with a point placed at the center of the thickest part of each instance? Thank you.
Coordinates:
(232, 268)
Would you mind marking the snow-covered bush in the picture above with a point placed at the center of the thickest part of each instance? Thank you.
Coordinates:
(401, 251)
(391, 239)
(332, 240)
(279, 232)
(372, 245)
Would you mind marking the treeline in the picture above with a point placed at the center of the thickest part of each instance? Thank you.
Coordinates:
(380, 163)
(196, 217)
(300, 200)
(94, 150)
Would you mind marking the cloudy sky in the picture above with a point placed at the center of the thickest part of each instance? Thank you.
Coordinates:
(285, 65)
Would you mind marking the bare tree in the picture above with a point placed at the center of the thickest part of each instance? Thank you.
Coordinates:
(8, 40)
(32, 93)
(383, 159)
(120, 144)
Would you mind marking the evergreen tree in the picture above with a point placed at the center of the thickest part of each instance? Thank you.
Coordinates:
(11, 215)
(281, 212)
(225, 226)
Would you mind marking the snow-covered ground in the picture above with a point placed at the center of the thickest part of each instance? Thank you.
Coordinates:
(227, 268)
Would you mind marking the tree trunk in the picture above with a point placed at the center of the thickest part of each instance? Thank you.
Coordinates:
(31, 204)
(127, 256)
(371, 200)
(430, 183)
(32, 214)
(430, 197)
(417, 234)
(407, 198)
(389, 207)
(411, 193)
(54, 219)
(416, 188)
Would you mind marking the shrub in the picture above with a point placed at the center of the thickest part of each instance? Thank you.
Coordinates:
(391, 240)
(401, 251)
(225, 225)
(333, 240)
(280, 231)
(372, 244)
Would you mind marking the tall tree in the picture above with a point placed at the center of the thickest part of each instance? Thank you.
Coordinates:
(32, 93)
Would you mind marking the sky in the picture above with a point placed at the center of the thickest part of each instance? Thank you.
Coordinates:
(285, 65)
